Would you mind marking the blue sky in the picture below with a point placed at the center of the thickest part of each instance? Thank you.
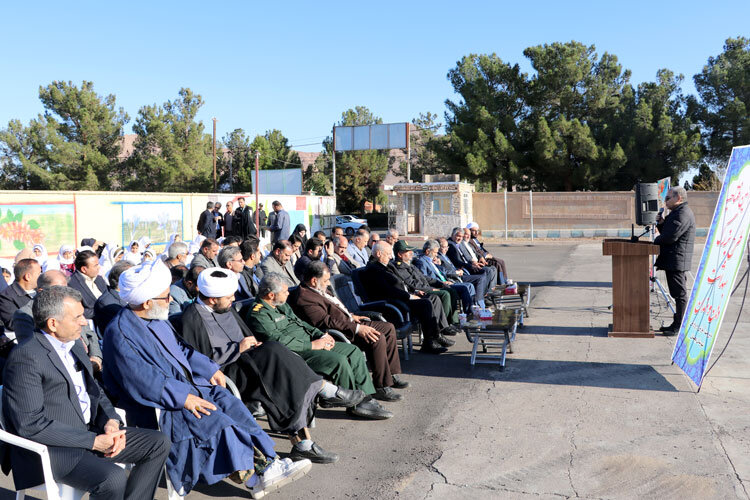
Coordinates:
(296, 66)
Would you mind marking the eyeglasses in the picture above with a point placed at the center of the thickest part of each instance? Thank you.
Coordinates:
(169, 296)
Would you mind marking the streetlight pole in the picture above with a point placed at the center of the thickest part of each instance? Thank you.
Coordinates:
(213, 149)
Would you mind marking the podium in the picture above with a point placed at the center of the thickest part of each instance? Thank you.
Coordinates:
(630, 287)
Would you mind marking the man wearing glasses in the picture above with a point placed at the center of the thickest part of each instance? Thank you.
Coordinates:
(676, 239)
(231, 258)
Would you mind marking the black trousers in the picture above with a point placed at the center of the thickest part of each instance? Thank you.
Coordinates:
(383, 354)
(105, 480)
(677, 284)
(429, 312)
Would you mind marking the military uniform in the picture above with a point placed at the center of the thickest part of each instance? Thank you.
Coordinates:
(344, 365)
(414, 280)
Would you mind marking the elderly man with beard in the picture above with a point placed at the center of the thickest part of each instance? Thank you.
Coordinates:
(271, 318)
(149, 366)
(266, 372)
(312, 302)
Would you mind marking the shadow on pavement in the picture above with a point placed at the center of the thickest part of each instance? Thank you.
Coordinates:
(585, 331)
(545, 371)
(579, 284)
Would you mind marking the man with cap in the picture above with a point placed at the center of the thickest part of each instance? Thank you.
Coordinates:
(312, 302)
(271, 318)
(149, 366)
(418, 284)
(266, 372)
(478, 247)
(381, 284)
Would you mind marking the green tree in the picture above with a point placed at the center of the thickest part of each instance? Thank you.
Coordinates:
(425, 146)
(317, 178)
(74, 145)
(724, 109)
(706, 180)
(482, 128)
(172, 151)
(238, 161)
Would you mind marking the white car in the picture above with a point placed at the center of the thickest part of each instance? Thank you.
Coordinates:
(349, 223)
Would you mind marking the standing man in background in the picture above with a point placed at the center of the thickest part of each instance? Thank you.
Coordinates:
(281, 225)
(262, 226)
(206, 224)
(676, 239)
(228, 218)
(218, 218)
(243, 222)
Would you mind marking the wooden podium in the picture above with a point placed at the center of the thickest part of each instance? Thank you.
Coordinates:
(630, 287)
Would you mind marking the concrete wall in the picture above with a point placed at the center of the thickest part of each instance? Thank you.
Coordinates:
(54, 218)
(578, 213)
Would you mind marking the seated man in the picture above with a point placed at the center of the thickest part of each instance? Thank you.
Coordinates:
(380, 284)
(418, 284)
(109, 304)
(177, 254)
(148, 366)
(271, 318)
(477, 253)
(448, 269)
(86, 280)
(23, 319)
(231, 258)
(311, 302)
(461, 258)
(22, 290)
(427, 266)
(266, 372)
(206, 255)
(313, 250)
(184, 291)
(478, 247)
(356, 250)
(251, 271)
(338, 261)
(278, 262)
(59, 404)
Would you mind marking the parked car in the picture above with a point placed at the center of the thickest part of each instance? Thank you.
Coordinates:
(349, 223)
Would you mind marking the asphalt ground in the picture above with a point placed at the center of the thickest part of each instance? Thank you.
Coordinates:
(575, 414)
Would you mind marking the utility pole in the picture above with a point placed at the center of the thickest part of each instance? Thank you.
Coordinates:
(213, 149)
(257, 189)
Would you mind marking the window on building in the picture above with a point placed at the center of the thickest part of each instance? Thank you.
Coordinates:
(441, 204)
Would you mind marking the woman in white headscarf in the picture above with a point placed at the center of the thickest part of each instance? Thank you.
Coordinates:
(40, 254)
(110, 256)
(144, 243)
(64, 262)
(133, 255)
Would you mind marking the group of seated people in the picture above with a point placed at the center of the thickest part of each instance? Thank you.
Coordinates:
(159, 339)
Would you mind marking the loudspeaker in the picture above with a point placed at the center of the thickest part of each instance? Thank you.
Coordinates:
(646, 203)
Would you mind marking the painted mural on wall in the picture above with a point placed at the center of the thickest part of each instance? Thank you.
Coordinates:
(22, 225)
(157, 220)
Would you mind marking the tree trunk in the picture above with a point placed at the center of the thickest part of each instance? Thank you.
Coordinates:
(494, 184)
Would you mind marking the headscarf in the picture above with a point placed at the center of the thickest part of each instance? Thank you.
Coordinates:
(107, 260)
(42, 259)
(65, 265)
(297, 229)
(165, 254)
(133, 258)
(141, 283)
(143, 243)
(217, 282)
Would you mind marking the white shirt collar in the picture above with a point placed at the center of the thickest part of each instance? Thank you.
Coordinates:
(59, 345)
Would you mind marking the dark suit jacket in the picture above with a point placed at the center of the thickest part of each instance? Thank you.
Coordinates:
(323, 314)
(40, 403)
(381, 284)
(248, 273)
(106, 308)
(456, 255)
(206, 224)
(676, 239)
(12, 299)
(77, 282)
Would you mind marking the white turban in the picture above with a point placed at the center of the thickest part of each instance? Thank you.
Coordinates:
(146, 281)
(472, 225)
(217, 282)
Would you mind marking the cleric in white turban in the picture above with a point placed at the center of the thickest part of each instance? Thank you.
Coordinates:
(217, 282)
(149, 366)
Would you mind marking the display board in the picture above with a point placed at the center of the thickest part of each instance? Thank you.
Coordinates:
(717, 272)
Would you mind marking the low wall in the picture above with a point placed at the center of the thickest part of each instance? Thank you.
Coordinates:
(562, 214)
(54, 218)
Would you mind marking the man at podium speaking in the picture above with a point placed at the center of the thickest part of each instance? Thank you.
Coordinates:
(676, 239)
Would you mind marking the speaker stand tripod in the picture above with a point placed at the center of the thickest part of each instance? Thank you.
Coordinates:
(655, 281)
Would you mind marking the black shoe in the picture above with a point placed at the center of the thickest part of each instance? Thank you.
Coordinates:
(671, 327)
(256, 409)
(451, 331)
(343, 397)
(370, 409)
(669, 333)
(399, 383)
(387, 394)
(444, 341)
(316, 454)
(432, 347)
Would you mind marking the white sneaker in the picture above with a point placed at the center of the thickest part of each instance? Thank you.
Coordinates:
(278, 474)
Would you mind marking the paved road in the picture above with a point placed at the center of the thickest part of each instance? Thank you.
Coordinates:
(575, 414)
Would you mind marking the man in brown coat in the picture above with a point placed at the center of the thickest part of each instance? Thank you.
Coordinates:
(377, 339)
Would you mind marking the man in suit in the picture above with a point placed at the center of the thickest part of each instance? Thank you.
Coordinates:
(184, 291)
(281, 225)
(109, 304)
(462, 260)
(338, 261)
(477, 252)
(230, 258)
(23, 319)
(252, 256)
(478, 247)
(206, 222)
(676, 239)
(380, 284)
(228, 219)
(312, 253)
(312, 303)
(262, 220)
(426, 263)
(51, 397)
(278, 261)
(22, 290)
(244, 221)
(356, 249)
(219, 220)
(86, 280)
(446, 266)
(206, 256)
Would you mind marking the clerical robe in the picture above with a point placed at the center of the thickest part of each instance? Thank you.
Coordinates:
(149, 366)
